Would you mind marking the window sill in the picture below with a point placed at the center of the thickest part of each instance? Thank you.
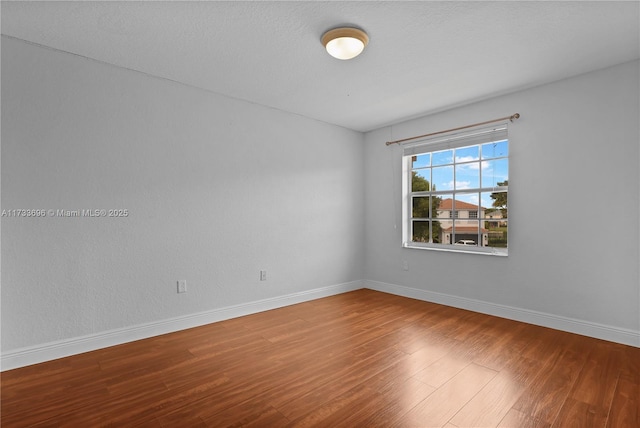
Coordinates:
(487, 251)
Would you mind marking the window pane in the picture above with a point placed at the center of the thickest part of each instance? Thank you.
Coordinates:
(442, 206)
(420, 207)
(420, 180)
(420, 231)
(465, 154)
(465, 233)
(436, 230)
(496, 204)
(495, 173)
(443, 178)
(495, 218)
(420, 161)
(465, 204)
(495, 149)
(465, 225)
(468, 176)
(442, 158)
(486, 202)
(498, 234)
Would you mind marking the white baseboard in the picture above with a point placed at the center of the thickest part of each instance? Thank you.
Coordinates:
(77, 345)
(585, 328)
(64, 348)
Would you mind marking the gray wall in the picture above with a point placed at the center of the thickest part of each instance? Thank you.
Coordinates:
(573, 206)
(217, 189)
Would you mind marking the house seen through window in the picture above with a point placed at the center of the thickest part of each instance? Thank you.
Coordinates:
(456, 193)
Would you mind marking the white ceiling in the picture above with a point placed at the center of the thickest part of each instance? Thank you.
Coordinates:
(422, 57)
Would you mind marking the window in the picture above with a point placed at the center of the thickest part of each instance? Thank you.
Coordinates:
(455, 191)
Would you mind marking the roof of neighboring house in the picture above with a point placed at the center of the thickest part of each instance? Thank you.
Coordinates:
(447, 204)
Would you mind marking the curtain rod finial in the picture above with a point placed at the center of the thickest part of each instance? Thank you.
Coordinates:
(515, 116)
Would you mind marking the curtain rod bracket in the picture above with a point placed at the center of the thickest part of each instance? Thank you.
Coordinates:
(511, 119)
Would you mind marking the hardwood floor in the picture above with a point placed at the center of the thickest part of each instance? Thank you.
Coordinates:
(360, 359)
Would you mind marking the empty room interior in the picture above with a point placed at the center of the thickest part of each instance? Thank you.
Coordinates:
(211, 218)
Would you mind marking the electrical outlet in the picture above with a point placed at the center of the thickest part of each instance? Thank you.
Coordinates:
(263, 275)
(405, 265)
(182, 286)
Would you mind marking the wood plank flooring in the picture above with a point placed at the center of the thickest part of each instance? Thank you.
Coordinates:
(359, 359)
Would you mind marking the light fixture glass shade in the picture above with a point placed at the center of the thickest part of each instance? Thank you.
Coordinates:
(345, 43)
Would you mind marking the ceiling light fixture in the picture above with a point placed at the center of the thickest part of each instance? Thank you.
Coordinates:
(345, 42)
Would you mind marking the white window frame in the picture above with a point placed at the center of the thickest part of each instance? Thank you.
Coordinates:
(452, 141)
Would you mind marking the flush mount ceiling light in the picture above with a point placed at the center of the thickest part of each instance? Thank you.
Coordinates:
(345, 42)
